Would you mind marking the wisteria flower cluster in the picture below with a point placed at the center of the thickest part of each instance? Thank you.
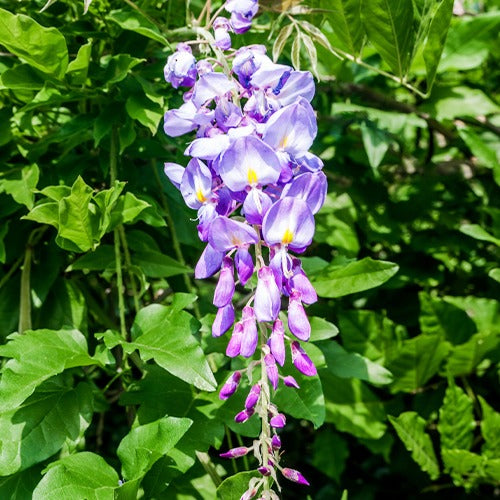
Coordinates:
(256, 188)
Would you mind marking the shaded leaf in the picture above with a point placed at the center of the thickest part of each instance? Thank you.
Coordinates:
(21, 184)
(490, 430)
(234, 486)
(132, 20)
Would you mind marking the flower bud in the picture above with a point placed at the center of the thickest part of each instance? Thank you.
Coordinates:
(234, 344)
(294, 475)
(277, 342)
(291, 382)
(265, 471)
(235, 452)
(276, 442)
(229, 388)
(244, 265)
(272, 370)
(222, 37)
(267, 301)
(297, 319)
(302, 361)
(224, 319)
(250, 335)
(224, 290)
(253, 397)
(243, 416)
(278, 421)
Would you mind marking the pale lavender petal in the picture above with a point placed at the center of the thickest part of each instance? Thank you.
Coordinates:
(229, 388)
(222, 38)
(297, 318)
(208, 148)
(289, 222)
(180, 121)
(209, 263)
(227, 114)
(301, 360)
(209, 86)
(299, 84)
(292, 128)
(248, 162)
(270, 75)
(256, 205)
(181, 67)
(174, 172)
(277, 342)
(206, 214)
(224, 290)
(196, 184)
(309, 162)
(271, 370)
(300, 282)
(224, 320)
(244, 265)
(267, 300)
(310, 187)
(226, 234)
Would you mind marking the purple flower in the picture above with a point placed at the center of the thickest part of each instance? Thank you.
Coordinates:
(276, 442)
(248, 162)
(226, 234)
(271, 370)
(247, 61)
(289, 222)
(277, 342)
(267, 300)
(244, 265)
(294, 475)
(224, 290)
(256, 205)
(227, 114)
(229, 388)
(253, 397)
(209, 86)
(242, 13)
(180, 121)
(235, 452)
(180, 69)
(196, 184)
(297, 318)
(289, 381)
(278, 421)
(243, 416)
(234, 344)
(174, 172)
(302, 361)
(250, 336)
(224, 320)
(222, 38)
(300, 282)
(298, 84)
(265, 471)
(209, 263)
(208, 148)
(310, 187)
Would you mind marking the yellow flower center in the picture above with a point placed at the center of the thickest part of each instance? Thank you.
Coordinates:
(283, 142)
(199, 195)
(287, 237)
(252, 177)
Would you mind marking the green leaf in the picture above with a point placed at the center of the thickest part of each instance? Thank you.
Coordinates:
(78, 68)
(82, 475)
(389, 26)
(21, 184)
(145, 111)
(438, 29)
(20, 486)
(118, 67)
(490, 427)
(234, 486)
(158, 265)
(344, 16)
(144, 445)
(22, 77)
(38, 355)
(410, 428)
(167, 337)
(376, 143)
(129, 208)
(322, 329)
(132, 20)
(3, 232)
(477, 232)
(337, 281)
(40, 426)
(456, 420)
(486, 155)
(42, 48)
(352, 407)
(415, 361)
(465, 467)
(330, 452)
(102, 258)
(495, 274)
(345, 364)
(77, 217)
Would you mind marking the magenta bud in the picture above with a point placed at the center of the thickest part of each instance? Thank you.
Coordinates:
(302, 361)
(278, 421)
(276, 442)
(243, 416)
(265, 471)
(224, 290)
(294, 475)
(297, 318)
(277, 342)
(235, 452)
(234, 344)
(229, 388)
(224, 319)
(291, 382)
(250, 336)
(253, 397)
(271, 369)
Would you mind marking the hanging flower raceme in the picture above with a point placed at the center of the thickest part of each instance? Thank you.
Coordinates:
(255, 187)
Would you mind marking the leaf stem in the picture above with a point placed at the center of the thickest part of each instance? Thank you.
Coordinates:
(25, 294)
(128, 264)
(11, 271)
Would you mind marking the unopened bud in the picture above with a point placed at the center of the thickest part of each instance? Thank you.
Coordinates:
(291, 382)
(229, 388)
(243, 416)
(278, 421)
(235, 452)
(294, 475)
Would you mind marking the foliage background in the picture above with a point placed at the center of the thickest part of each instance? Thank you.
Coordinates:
(406, 397)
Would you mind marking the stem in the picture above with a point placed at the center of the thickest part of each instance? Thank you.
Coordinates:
(209, 467)
(246, 464)
(175, 239)
(265, 400)
(128, 263)
(230, 446)
(11, 271)
(25, 295)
